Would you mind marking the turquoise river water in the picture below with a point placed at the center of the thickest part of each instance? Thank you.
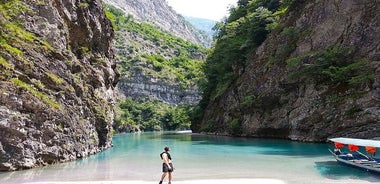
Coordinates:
(136, 157)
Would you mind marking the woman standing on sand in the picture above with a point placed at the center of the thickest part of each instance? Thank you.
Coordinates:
(167, 165)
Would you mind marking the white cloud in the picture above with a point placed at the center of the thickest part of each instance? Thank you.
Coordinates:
(208, 9)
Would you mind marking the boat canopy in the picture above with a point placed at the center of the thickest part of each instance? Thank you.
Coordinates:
(357, 142)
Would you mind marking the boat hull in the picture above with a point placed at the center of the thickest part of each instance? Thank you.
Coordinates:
(372, 167)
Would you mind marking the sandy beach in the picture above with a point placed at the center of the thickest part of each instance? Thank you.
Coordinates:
(215, 181)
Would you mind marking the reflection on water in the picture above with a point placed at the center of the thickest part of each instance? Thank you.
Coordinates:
(334, 170)
(136, 157)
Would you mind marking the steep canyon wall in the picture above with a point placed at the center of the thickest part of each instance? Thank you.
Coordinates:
(57, 82)
(285, 92)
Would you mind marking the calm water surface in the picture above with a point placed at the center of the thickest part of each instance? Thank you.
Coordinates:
(136, 157)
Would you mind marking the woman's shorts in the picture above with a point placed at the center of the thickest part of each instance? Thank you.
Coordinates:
(166, 169)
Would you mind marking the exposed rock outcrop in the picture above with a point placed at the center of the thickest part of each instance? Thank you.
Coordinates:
(265, 102)
(57, 82)
(141, 85)
(161, 14)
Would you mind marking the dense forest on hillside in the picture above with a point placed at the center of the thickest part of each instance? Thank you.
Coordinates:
(171, 59)
(236, 38)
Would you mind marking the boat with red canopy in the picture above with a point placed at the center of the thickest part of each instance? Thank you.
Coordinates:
(349, 152)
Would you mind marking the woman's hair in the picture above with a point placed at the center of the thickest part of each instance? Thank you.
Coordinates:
(166, 148)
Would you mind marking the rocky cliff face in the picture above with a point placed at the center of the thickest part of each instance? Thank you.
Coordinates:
(269, 100)
(57, 82)
(141, 85)
(160, 13)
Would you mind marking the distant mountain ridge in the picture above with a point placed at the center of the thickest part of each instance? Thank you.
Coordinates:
(205, 25)
(161, 14)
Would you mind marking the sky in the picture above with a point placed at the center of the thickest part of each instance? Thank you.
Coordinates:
(208, 9)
